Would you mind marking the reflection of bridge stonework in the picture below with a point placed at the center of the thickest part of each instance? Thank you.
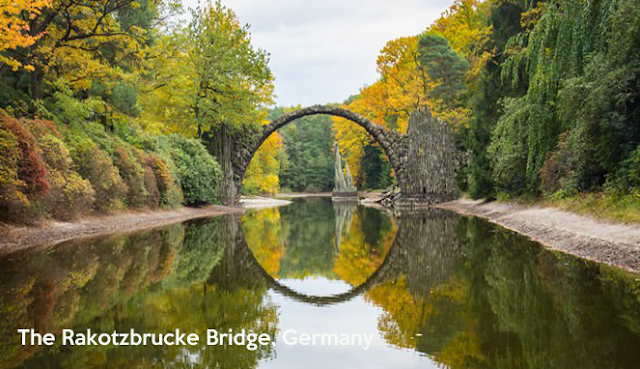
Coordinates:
(425, 250)
(425, 160)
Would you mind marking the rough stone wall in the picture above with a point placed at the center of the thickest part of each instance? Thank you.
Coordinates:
(431, 163)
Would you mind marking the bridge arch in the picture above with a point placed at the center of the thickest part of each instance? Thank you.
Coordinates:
(425, 159)
(392, 142)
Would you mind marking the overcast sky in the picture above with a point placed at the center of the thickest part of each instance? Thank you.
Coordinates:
(324, 51)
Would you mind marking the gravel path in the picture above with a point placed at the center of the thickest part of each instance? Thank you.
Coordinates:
(51, 232)
(589, 238)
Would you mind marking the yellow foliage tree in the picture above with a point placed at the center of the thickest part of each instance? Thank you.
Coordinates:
(167, 95)
(404, 86)
(205, 76)
(262, 173)
(74, 42)
(466, 28)
(15, 30)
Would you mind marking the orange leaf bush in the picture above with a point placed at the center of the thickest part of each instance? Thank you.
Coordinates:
(70, 194)
(23, 176)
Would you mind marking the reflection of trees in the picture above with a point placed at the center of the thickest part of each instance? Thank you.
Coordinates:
(558, 310)
(201, 250)
(430, 253)
(152, 282)
(461, 290)
(264, 237)
(304, 232)
(76, 282)
(302, 239)
(501, 301)
(307, 231)
(361, 253)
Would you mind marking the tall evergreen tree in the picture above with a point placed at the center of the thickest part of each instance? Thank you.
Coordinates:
(444, 67)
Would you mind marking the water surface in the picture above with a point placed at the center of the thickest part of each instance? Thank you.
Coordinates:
(434, 289)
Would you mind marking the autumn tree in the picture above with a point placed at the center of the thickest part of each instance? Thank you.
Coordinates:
(262, 175)
(402, 88)
(75, 35)
(433, 74)
(466, 26)
(15, 31)
(167, 93)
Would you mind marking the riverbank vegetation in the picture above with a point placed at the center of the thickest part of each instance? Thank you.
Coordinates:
(102, 104)
(571, 122)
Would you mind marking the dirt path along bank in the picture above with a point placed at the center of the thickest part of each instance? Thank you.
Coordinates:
(589, 238)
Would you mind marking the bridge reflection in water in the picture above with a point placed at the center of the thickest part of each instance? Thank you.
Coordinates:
(425, 243)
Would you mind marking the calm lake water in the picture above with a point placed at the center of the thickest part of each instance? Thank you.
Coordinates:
(432, 289)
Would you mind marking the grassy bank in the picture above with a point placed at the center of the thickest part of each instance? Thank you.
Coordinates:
(625, 208)
(614, 207)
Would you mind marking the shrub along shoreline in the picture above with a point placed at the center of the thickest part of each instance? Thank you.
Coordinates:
(53, 170)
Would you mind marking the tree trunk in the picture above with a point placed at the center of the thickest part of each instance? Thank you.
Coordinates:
(220, 145)
(36, 82)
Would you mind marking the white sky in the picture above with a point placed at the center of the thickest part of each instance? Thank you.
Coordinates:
(325, 51)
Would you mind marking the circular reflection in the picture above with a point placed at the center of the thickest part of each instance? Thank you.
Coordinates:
(319, 251)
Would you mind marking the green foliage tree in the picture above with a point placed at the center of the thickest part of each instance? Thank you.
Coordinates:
(375, 168)
(232, 78)
(445, 67)
(581, 76)
(505, 23)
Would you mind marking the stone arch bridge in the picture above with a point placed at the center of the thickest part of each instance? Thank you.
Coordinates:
(425, 159)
